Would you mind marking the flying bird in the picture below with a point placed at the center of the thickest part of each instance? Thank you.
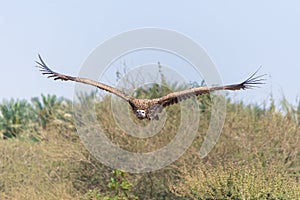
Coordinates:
(150, 108)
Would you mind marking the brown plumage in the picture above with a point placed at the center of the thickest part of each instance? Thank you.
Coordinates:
(150, 108)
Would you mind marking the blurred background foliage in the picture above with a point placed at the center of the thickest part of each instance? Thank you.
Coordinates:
(257, 155)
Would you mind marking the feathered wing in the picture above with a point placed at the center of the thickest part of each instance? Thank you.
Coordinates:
(57, 76)
(175, 97)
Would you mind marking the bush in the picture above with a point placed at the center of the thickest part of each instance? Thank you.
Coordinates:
(256, 157)
(16, 116)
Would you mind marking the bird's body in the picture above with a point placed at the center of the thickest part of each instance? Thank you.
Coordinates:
(150, 108)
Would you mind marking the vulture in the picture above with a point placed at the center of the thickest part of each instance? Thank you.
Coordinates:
(150, 108)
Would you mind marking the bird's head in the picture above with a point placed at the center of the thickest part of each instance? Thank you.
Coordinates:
(141, 114)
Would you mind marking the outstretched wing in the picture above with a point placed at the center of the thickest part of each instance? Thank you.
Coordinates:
(57, 76)
(175, 97)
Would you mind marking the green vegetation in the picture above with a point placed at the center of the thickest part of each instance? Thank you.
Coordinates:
(15, 117)
(257, 155)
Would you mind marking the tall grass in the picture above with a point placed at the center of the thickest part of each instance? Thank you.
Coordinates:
(257, 155)
(238, 180)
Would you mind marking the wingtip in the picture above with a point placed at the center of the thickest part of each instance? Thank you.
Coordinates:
(43, 67)
(254, 81)
(45, 70)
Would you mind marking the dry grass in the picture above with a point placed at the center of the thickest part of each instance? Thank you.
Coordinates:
(256, 157)
(237, 181)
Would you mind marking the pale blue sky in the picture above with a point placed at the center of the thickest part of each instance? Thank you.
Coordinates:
(238, 36)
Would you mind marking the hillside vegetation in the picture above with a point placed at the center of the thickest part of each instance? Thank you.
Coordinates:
(256, 157)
